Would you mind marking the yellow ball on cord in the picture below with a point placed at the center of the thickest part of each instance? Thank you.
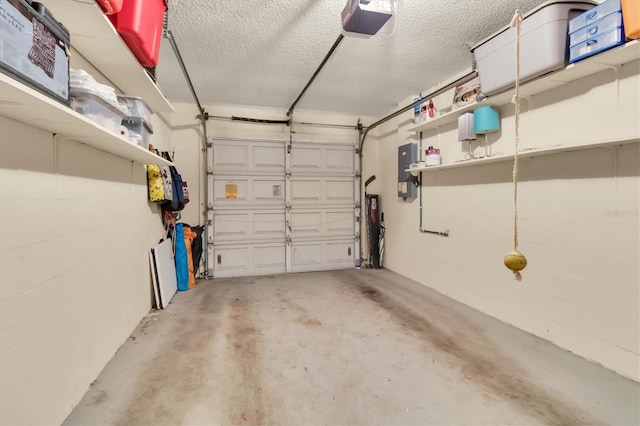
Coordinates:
(516, 262)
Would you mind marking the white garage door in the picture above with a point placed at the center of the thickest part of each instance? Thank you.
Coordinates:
(321, 198)
(279, 209)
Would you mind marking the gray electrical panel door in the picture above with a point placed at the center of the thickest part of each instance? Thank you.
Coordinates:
(407, 155)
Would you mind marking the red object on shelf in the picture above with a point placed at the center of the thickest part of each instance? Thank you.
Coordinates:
(139, 23)
(109, 7)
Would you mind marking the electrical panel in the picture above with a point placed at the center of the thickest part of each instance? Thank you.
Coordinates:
(407, 155)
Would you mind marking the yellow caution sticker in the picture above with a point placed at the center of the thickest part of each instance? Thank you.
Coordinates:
(231, 189)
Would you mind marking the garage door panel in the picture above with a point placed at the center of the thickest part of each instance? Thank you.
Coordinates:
(305, 159)
(338, 252)
(322, 224)
(322, 159)
(230, 191)
(244, 260)
(306, 191)
(340, 222)
(248, 157)
(268, 190)
(306, 255)
(340, 160)
(232, 157)
(340, 191)
(319, 191)
(269, 225)
(322, 255)
(306, 223)
(244, 225)
(268, 158)
(232, 226)
(223, 192)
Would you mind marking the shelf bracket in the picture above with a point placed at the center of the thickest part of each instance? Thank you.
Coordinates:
(616, 157)
(616, 74)
(529, 100)
(58, 139)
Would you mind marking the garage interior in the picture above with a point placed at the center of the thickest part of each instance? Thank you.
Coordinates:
(276, 117)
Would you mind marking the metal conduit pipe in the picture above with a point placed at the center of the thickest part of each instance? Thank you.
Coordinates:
(365, 132)
(427, 231)
(315, 74)
(169, 36)
(203, 116)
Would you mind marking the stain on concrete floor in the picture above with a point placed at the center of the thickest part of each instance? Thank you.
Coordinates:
(485, 367)
(343, 347)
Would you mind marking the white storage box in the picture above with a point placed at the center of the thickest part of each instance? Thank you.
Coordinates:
(135, 107)
(137, 131)
(97, 109)
(543, 46)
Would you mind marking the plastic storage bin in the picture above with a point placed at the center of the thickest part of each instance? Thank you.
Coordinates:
(606, 24)
(82, 81)
(543, 46)
(603, 30)
(139, 23)
(594, 14)
(138, 131)
(36, 55)
(597, 44)
(95, 108)
(135, 107)
(109, 7)
(631, 16)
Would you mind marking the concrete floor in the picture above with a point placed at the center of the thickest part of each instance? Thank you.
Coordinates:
(344, 347)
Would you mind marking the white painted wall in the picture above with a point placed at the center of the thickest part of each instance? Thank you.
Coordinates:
(76, 227)
(578, 220)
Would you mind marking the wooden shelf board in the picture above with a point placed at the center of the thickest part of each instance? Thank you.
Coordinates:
(24, 104)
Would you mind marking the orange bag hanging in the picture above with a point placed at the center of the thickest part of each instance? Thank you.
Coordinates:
(189, 235)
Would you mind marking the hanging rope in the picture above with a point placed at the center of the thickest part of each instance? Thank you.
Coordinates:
(515, 260)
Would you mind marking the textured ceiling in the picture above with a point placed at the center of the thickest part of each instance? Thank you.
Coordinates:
(262, 53)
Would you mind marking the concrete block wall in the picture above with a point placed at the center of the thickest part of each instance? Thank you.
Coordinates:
(578, 219)
(75, 228)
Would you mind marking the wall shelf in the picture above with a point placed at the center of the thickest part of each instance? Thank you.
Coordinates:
(610, 59)
(95, 38)
(24, 104)
(528, 153)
